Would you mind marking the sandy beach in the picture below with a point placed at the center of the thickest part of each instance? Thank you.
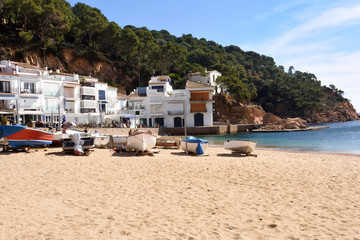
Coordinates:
(108, 195)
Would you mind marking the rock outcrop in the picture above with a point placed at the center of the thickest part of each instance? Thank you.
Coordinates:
(270, 118)
(342, 112)
(227, 109)
(289, 123)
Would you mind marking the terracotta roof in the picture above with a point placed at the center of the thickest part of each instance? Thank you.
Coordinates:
(163, 77)
(65, 74)
(121, 95)
(24, 65)
(8, 74)
(192, 84)
(82, 76)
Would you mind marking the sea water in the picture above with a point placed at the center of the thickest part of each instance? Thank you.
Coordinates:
(338, 138)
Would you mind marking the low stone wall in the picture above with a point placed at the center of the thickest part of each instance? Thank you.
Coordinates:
(119, 131)
(219, 129)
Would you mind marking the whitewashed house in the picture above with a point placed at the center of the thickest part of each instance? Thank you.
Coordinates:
(209, 78)
(8, 94)
(61, 95)
(160, 105)
(25, 83)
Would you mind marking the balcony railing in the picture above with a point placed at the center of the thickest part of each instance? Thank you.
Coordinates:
(31, 90)
(200, 99)
(136, 107)
(8, 90)
(179, 112)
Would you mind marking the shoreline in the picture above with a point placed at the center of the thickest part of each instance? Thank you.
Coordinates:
(280, 149)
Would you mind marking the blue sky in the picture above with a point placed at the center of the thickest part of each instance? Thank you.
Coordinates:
(317, 36)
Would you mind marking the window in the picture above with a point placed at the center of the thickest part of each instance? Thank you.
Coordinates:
(102, 95)
(4, 86)
(29, 87)
(158, 88)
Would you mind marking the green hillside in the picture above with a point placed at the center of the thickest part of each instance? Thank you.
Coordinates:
(37, 25)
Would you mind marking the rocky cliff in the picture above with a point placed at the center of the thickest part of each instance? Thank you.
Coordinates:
(70, 62)
(342, 112)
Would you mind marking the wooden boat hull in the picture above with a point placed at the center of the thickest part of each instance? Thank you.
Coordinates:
(241, 146)
(192, 146)
(20, 136)
(168, 142)
(141, 141)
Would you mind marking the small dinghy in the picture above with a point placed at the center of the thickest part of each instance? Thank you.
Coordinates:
(240, 146)
(141, 141)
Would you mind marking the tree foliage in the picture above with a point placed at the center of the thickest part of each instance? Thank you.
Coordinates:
(139, 53)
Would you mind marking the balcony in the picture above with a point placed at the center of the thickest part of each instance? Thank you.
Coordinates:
(31, 91)
(200, 100)
(70, 107)
(175, 112)
(136, 107)
(8, 90)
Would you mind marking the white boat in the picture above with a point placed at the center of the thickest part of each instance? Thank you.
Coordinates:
(141, 141)
(241, 146)
(119, 140)
(194, 145)
(101, 140)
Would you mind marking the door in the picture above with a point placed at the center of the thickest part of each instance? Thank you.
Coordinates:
(159, 121)
(177, 122)
(199, 119)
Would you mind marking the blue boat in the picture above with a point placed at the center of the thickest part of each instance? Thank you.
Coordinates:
(21, 136)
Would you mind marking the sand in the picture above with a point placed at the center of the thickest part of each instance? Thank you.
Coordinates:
(107, 195)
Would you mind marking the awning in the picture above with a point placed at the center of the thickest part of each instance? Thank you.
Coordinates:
(10, 113)
(30, 112)
(127, 116)
(7, 97)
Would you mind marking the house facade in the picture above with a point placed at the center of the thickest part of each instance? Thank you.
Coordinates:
(160, 105)
(208, 78)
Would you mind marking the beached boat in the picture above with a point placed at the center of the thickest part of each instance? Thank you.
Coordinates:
(68, 141)
(194, 145)
(101, 140)
(141, 141)
(21, 136)
(168, 142)
(119, 140)
(241, 146)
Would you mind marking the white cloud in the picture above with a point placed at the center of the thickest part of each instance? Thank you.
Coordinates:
(336, 17)
(314, 46)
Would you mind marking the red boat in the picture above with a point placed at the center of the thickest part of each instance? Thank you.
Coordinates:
(20, 136)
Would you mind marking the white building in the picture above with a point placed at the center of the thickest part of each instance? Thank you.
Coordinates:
(160, 105)
(21, 83)
(42, 95)
(209, 78)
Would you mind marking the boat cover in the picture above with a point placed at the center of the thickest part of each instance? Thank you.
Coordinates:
(199, 141)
